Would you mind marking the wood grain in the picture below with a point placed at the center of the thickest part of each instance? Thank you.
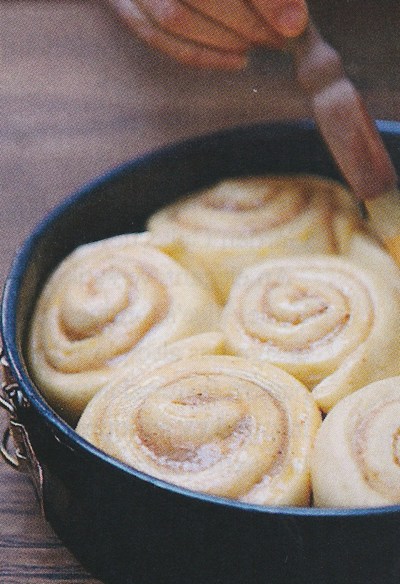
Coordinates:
(79, 95)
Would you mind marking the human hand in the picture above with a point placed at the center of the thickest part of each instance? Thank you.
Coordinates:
(213, 34)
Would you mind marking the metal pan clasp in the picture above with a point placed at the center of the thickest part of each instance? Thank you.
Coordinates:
(23, 457)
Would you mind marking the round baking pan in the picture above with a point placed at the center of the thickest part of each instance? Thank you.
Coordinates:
(126, 527)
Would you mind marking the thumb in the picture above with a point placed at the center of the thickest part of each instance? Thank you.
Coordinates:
(288, 17)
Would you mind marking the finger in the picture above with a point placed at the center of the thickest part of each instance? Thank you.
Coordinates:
(287, 17)
(240, 16)
(176, 17)
(186, 52)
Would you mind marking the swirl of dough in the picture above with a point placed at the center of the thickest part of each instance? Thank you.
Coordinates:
(356, 460)
(222, 425)
(239, 222)
(327, 320)
(106, 302)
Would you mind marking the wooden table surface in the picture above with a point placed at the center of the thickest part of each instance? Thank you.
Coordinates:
(78, 95)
